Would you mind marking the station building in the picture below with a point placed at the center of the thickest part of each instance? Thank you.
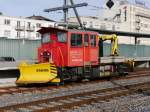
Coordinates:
(19, 37)
(23, 28)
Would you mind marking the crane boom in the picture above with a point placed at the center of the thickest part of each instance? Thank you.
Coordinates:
(114, 42)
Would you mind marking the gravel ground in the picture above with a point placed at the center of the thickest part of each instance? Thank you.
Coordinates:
(131, 103)
(7, 99)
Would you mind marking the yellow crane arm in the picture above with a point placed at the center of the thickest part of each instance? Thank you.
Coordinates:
(114, 42)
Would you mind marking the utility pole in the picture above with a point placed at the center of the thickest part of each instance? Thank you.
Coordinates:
(77, 15)
(65, 9)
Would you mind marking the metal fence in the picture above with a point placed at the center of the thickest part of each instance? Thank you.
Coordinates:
(20, 49)
(129, 50)
(27, 49)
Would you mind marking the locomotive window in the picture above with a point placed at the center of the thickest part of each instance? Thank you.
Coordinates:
(46, 38)
(86, 42)
(76, 40)
(62, 37)
(93, 40)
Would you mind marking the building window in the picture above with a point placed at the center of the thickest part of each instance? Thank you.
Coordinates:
(125, 13)
(18, 34)
(18, 24)
(38, 35)
(50, 25)
(38, 25)
(46, 38)
(29, 25)
(29, 34)
(113, 27)
(142, 24)
(7, 33)
(84, 23)
(91, 24)
(103, 26)
(145, 25)
(76, 40)
(7, 22)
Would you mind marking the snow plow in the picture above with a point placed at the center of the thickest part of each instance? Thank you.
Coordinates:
(37, 73)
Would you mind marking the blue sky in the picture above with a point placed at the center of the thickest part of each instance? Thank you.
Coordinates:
(29, 7)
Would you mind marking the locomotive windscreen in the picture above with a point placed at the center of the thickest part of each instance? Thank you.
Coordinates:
(62, 37)
(46, 38)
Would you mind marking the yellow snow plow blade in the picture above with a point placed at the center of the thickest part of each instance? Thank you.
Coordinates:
(37, 73)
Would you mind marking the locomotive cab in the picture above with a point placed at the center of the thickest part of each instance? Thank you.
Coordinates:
(68, 48)
(74, 52)
(53, 46)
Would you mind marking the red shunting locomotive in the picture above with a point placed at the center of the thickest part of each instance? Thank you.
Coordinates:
(69, 54)
(74, 52)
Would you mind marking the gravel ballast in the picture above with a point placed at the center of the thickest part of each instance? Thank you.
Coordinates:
(131, 103)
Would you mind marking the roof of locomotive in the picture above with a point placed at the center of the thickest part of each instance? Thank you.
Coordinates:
(48, 29)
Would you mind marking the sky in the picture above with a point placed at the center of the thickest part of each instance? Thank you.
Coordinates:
(26, 8)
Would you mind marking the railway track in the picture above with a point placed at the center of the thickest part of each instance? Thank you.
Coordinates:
(13, 90)
(31, 94)
(75, 100)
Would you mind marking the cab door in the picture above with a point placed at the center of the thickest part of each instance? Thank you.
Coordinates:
(76, 49)
(53, 47)
(86, 56)
(94, 49)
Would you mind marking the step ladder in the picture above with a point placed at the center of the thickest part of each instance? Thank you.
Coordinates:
(87, 70)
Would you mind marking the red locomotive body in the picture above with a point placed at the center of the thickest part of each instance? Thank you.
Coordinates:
(68, 48)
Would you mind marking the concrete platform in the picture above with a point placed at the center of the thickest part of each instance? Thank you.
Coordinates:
(7, 82)
(12, 65)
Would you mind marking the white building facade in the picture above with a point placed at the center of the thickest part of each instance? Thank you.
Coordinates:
(123, 16)
(22, 28)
